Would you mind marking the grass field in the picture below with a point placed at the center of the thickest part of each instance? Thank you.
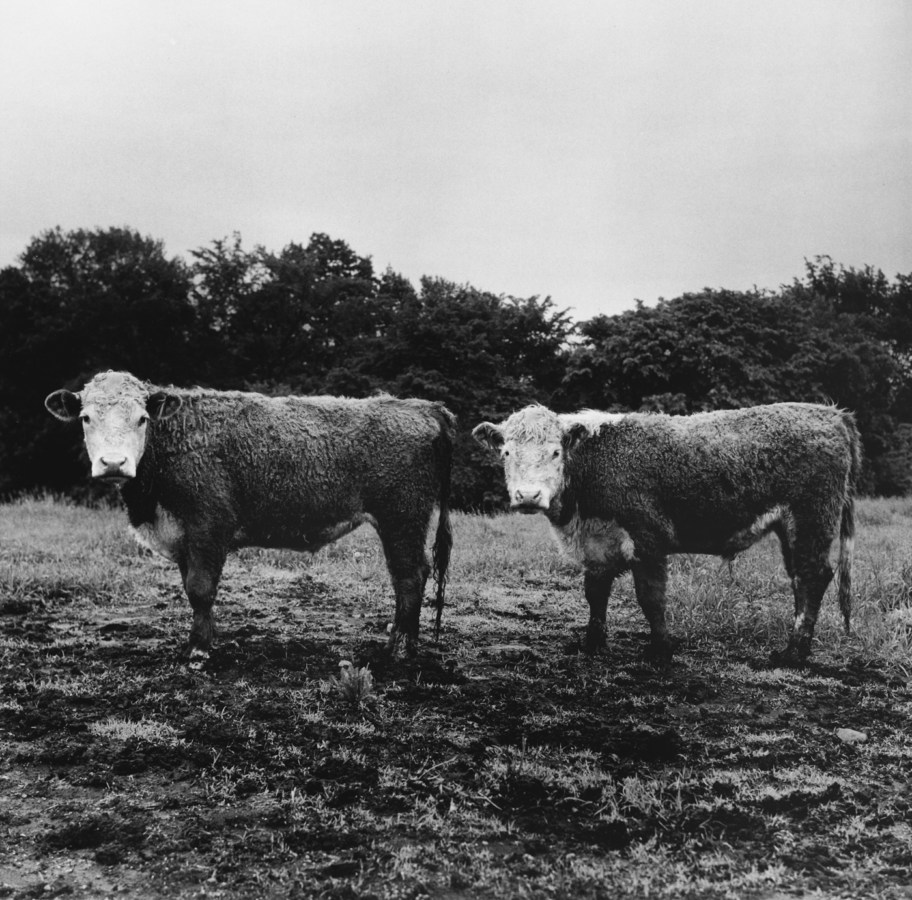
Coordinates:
(501, 763)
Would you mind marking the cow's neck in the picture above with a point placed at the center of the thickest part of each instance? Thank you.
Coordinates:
(565, 510)
(139, 493)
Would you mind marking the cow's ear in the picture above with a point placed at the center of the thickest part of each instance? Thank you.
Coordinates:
(574, 435)
(488, 435)
(64, 405)
(162, 405)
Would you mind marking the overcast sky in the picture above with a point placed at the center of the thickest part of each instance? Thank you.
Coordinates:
(595, 152)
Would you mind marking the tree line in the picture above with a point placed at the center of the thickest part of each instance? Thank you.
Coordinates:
(317, 318)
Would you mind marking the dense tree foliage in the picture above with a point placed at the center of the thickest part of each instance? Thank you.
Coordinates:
(317, 318)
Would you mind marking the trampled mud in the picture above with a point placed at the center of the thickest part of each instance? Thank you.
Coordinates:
(500, 763)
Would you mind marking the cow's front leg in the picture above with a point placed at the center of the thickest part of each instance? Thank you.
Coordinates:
(201, 568)
(650, 578)
(597, 582)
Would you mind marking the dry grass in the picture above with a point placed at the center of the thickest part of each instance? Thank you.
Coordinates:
(54, 550)
(500, 764)
(748, 601)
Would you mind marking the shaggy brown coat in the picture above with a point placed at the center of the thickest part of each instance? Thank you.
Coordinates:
(624, 491)
(221, 470)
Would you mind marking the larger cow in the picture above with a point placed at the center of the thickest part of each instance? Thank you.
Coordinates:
(624, 491)
(203, 472)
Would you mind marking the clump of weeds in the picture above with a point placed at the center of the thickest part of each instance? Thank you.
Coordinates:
(354, 686)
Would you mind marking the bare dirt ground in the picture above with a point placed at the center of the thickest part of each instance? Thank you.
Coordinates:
(502, 762)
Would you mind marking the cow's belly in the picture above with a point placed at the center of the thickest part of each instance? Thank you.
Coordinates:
(164, 534)
(596, 541)
(304, 535)
(734, 540)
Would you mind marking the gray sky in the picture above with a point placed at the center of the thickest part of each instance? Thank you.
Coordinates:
(596, 152)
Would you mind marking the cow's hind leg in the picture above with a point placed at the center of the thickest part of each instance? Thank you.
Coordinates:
(650, 578)
(811, 574)
(201, 568)
(782, 530)
(409, 570)
(598, 581)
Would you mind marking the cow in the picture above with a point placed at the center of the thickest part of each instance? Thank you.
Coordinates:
(203, 472)
(624, 491)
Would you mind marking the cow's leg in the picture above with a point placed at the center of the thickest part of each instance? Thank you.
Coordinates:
(650, 578)
(409, 570)
(785, 540)
(201, 567)
(811, 576)
(597, 582)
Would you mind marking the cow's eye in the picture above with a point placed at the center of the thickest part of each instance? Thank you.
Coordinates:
(506, 453)
(555, 454)
(85, 419)
(143, 419)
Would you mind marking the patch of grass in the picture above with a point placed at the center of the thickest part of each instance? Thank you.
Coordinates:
(746, 602)
(500, 763)
(55, 552)
(354, 686)
(119, 729)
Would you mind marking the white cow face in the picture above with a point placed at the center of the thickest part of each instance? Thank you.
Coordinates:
(533, 446)
(115, 409)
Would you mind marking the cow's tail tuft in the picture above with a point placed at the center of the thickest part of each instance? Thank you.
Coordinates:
(846, 549)
(443, 540)
(847, 523)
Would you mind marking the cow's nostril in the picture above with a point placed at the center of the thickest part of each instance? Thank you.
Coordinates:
(113, 463)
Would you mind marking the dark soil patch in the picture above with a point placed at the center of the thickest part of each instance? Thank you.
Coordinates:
(492, 763)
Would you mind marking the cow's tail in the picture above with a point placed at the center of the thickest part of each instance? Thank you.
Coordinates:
(847, 523)
(443, 540)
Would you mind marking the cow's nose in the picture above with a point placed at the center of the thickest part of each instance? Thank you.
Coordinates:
(113, 463)
(521, 496)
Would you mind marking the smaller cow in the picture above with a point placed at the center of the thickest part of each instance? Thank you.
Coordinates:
(203, 472)
(624, 491)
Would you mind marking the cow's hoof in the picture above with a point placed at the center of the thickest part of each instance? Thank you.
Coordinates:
(401, 645)
(198, 659)
(661, 653)
(594, 642)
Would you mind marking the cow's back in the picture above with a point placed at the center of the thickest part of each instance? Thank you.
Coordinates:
(284, 470)
(690, 482)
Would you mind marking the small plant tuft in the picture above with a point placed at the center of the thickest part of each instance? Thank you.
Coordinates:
(354, 685)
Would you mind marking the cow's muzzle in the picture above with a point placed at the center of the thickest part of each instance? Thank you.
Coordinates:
(115, 469)
(527, 508)
(531, 500)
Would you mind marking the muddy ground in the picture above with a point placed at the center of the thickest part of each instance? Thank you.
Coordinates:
(502, 762)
